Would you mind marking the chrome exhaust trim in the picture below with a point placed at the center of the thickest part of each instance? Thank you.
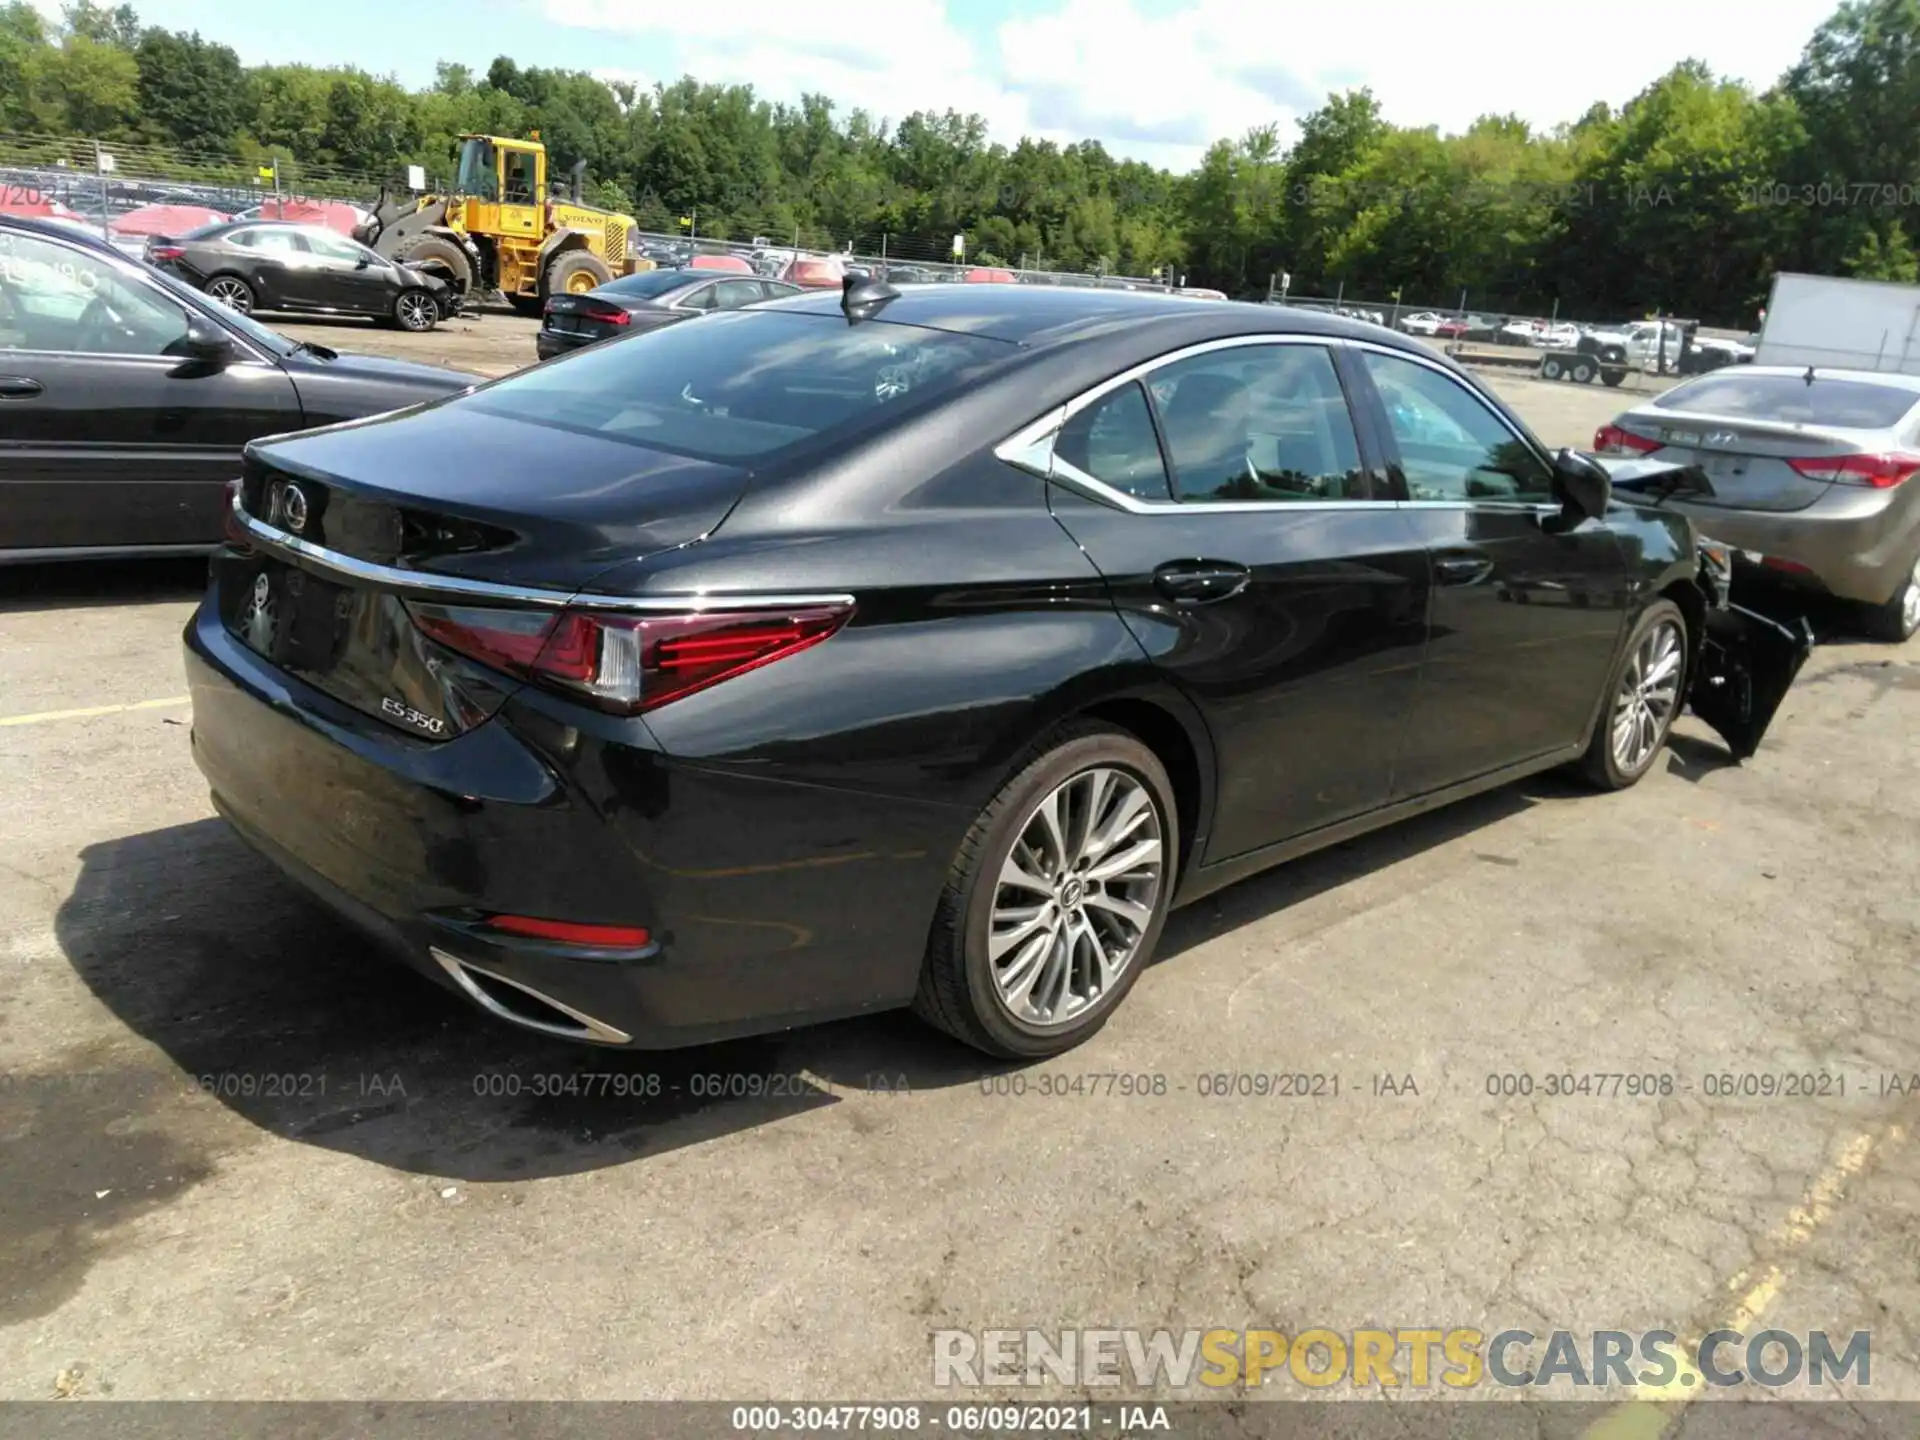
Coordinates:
(597, 1032)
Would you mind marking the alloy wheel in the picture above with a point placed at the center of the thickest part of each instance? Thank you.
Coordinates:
(416, 311)
(231, 293)
(1075, 896)
(1649, 696)
(1910, 603)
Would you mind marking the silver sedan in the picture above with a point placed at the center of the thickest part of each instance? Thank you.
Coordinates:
(1813, 471)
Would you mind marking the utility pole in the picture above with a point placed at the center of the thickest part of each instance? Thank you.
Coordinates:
(102, 163)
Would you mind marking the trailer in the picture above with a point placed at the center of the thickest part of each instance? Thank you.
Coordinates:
(1841, 324)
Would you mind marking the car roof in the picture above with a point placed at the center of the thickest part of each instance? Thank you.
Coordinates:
(1046, 315)
(1891, 379)
(58, 230)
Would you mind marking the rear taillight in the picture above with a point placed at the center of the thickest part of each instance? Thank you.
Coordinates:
(1882, 472)
(606, 314)
(1612, 440)
(160, 253)
(628, 663)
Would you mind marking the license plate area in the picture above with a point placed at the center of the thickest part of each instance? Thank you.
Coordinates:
(296, 620)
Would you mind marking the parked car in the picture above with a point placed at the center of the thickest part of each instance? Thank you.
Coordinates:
(1454, 327)
(1811, 469)
(1520, 332)
(814, 272)
(646, 301)
(1423, 322)
(725, 264)
(127, 397)
(888, 648)
(1557, 335)
(270, 265)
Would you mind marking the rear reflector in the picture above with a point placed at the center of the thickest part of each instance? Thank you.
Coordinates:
(628, 664)
(1612, 440)
(571, 932)
(1790, 567)
(1882, 472)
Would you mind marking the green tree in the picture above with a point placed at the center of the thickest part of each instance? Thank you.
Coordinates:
(190, 90)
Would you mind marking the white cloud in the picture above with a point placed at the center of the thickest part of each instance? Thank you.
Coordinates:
(1161, 86)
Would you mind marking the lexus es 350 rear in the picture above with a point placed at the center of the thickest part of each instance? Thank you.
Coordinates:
(876, 649)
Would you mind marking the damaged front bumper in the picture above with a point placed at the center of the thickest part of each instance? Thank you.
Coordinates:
(1747, 661)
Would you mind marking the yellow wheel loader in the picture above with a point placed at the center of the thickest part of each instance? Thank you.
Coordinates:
(505, 228)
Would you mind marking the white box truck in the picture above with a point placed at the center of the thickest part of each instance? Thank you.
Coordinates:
(1841, 324)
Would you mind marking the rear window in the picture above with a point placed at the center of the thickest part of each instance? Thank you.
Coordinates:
(1790, 400)
(647, 283)
(744, 384)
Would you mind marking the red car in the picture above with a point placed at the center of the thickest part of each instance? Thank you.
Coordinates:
(732, 264)
(815, 274)
(1450, 329)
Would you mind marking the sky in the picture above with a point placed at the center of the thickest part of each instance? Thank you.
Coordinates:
(1156, 80)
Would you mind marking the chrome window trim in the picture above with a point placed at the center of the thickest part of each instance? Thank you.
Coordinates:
(424, 583)
(1030, 448)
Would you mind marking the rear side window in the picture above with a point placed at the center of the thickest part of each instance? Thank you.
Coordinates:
(1790, 400)
(645, 283)
(742, 384)
(1113, 440)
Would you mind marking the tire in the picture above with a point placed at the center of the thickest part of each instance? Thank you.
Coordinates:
(573, 272)
(440, 256)
(1582, 373)
(1611, 766)
(231, 291)
(417, 311)
(1899, 619)
(1613, 377)
(964, 987)
(1550, 369)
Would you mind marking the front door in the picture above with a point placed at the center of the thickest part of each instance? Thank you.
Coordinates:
(521, 202)
(110, 435)
(1527, 608)
(1226, 498)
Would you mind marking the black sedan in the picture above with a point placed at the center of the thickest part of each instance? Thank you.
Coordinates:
(921, 648)
(647, 300)
(125, 399)
(250, 265)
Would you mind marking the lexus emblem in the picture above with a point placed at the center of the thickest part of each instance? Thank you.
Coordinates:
(295, 508)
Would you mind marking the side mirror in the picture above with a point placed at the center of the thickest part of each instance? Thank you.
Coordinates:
(1582, 485)
(206, 340)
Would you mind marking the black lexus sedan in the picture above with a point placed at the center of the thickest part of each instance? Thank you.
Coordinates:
(125, 399)
(647, 300)
(919, 648)
(250, 265)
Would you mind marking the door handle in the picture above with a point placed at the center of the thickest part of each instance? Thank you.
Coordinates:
(19, 387)
(1200, 582)
(1464, 569)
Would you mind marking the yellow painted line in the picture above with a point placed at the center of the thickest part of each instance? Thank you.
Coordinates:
(1657, 1407)
(44, 717)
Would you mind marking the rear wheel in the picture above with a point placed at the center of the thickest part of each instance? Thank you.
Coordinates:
(416, 310)
(575, 273)
(1613, 376)
(1644, 696)
(1550, 369)
(232, 292)
(1583, 372)
(1056, 899)
(1899, 618)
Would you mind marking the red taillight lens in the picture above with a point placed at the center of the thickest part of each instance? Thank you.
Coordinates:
(606, 314)
(166, 252)
(571, 932)
(1882, 472)
(1612, 440)
(628, 663)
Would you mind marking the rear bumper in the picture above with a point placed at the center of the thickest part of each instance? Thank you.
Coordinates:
(1859, 543)
(549, 343)
(763, 913)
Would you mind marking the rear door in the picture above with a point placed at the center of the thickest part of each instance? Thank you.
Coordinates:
(109, 435)
(1225, 496)
(1527, 611)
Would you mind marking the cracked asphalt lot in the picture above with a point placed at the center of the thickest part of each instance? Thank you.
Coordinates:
(242, 1157)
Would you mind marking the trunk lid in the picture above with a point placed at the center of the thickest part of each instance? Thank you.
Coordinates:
(443, 494)
(1745, 461)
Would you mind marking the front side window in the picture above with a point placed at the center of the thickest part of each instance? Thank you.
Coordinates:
(60, 299)
(337, 247)
(746, 384)
(732, 294)
(1452, 446)
(1113, 440)
(1258, 423)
